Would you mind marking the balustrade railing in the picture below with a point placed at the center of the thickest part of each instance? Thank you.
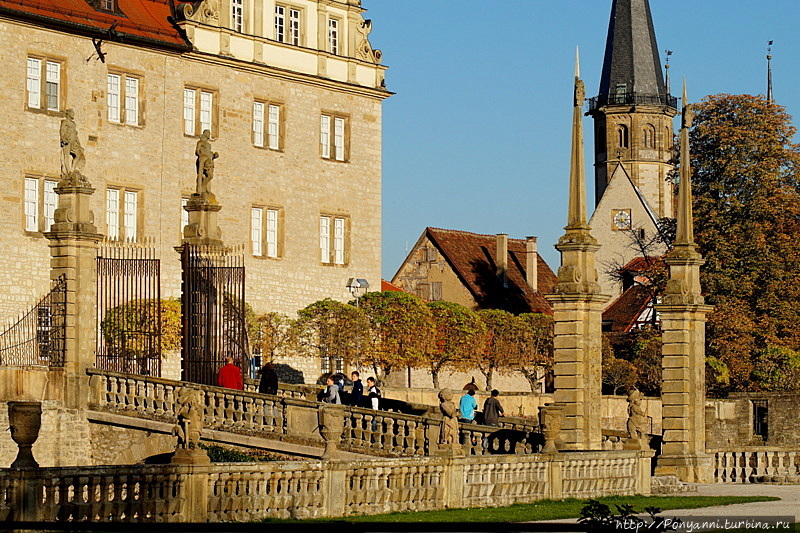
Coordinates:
(375, 432)
(757, 465)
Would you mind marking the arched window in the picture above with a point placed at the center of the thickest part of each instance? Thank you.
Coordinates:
(649, 136)
(622, 135)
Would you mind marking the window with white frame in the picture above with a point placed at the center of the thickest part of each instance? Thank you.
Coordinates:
(122, 214)
(333, 36)
(107, 5)
(267, 125)
(123, 99)
(333, 239)
(237, 15)
(287, 25)
(333, 137)
(198, 111)
(43, 84)
(265, 232)
(184, 215)
(40, 204)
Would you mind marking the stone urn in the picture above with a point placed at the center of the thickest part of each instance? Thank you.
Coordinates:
(331, 426)
(25, 419)
(551, 417)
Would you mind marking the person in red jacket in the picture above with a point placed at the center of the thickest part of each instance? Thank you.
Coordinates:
(230, 376)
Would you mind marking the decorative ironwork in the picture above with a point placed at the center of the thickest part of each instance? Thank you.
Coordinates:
(626, 98)
(129, 308)
(37, 338)
(213, 312)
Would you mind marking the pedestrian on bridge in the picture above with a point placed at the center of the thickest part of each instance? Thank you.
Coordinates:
(230, 376)
(332, 391)
(269, 380)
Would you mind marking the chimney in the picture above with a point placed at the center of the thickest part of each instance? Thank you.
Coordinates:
(531, 263)
(502, 257)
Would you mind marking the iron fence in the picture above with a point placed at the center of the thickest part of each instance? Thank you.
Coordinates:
(213, 312)
(626, 98)
(37, 338)
(129, 308)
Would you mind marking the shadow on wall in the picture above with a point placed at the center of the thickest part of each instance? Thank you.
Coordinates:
(287, 374)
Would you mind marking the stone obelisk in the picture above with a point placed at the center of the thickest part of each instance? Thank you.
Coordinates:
(577, 307)
(683, 316)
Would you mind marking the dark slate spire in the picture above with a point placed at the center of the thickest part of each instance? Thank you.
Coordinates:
(632, 67)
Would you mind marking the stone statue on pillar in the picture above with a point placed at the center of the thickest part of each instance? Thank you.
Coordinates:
(202, 206)
(189, 427)
(72, 156)
(205, 166)
(637, 420)
(448, 435)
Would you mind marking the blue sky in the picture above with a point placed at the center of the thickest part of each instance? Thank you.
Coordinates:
(477, 137)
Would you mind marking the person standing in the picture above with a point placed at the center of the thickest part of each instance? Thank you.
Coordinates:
(492, 410)
(230, 376)
(269, 380)
(332, 391)
(373, 393)
(358, 389)
(467, 406)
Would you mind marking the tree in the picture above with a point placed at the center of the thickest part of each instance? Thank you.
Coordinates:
(458, 339)
(506, 343)
(122, 325)
(746, 188)
(537, 360)
(401, 327)
(332, 330)
(271, 334)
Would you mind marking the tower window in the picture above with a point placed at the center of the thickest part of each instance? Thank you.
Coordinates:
(622, 135)
(621, 93)
(649, 136)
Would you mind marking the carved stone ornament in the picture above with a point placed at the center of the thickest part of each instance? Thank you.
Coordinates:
(580, 93)
(331, 425)
(25, 420)
(637, 422)
(189, 427)
(203, 11)
(72, 156)
(364, 50)
(551, 417)
(205, 167)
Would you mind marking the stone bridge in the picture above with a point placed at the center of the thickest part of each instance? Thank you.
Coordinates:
(124, 405)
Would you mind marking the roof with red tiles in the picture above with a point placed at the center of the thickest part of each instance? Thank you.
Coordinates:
(389, 286)
(148, 22)
(472, 257)
(626, 310)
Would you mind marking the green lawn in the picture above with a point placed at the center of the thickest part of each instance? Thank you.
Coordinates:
(548, 509)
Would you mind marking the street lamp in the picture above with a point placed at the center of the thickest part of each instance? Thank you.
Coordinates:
(357, 287)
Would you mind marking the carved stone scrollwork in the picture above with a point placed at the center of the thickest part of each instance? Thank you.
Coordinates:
(364, 49)
(204, 11)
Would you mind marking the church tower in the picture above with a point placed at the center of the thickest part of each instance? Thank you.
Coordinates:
(633, 111)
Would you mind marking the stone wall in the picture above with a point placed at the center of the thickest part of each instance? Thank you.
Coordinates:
(729, 423)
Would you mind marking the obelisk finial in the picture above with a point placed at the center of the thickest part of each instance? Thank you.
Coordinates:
(576, 218)
(685, 224)
(770, 97)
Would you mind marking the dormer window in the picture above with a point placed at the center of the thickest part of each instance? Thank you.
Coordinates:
(107, 5)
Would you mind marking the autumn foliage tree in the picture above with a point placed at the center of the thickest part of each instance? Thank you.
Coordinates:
(401, 328)
(746, 187)
(330, 329)
(271, 334)
(537, 359)
(458, 338)
(505, 346)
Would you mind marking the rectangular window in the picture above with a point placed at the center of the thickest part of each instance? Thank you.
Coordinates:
(34, 83)
(31, 204)
(131, 101)
(130, 215)
(274, 126)
(325, 239)
(333, 239)
(112, 213)
(198, 111)
(338, 241)
(107, 5)
(294, 27)
(258, 124)
(184, 215)
(188, 111)
(113, 97)
(333, 144)
(256, 228)
(237, 15)
(52, 85)
(206, 100)
(333, 36)
(272, 233)
(280, 23)
(50, 203)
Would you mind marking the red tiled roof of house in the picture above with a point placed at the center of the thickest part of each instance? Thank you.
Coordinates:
(145, 21)
(640, 264)
(388, 286)
(473, 258)
(626, 309)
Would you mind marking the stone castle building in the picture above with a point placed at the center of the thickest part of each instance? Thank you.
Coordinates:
(633, 142)
(290, 91)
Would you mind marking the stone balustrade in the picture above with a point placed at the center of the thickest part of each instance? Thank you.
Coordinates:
(292, 418)
(757, 464)
(311, 489)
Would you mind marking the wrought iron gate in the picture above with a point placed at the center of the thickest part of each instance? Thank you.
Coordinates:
(129, 309)
(37, 338)
(213, 312)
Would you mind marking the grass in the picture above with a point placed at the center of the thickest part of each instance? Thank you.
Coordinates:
(547, 509)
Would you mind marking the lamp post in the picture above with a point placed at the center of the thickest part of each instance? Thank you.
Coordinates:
(357, 287)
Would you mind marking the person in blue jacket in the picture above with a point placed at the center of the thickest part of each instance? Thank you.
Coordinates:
(467, 406)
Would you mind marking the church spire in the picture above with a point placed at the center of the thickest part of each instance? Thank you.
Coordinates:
(770, 97)
(632, 67)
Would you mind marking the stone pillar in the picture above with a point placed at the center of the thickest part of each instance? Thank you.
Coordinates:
(577, 308)
(73, 253)
(202, 229)
(683, 315)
